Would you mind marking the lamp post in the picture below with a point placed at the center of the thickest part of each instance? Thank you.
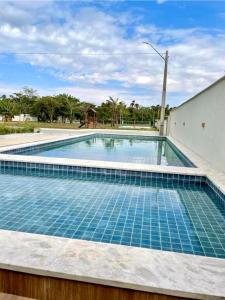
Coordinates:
(163, 103)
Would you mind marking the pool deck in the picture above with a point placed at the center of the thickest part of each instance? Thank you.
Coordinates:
(142, 269)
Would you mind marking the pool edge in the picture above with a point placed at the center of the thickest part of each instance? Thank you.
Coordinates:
(141, 269)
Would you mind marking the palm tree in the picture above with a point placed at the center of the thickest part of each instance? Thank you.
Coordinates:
(134, 108)
(115, 109)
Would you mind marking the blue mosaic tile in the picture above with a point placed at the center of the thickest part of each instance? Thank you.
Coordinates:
(129, 208)
(96, 173)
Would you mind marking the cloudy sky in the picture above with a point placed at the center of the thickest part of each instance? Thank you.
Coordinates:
(94, 49)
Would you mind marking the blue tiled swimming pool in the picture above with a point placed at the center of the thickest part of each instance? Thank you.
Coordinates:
(173, 214)
(132, 149)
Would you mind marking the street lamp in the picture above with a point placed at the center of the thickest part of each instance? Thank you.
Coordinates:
(163, 103)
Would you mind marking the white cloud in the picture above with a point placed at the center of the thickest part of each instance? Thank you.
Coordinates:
(22, 12)
(161, 1)
(89, 47)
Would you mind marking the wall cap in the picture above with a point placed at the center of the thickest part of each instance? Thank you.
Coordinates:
(201, 92)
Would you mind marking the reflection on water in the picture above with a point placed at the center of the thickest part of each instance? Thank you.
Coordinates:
(159, 152)
(127, 149)
(161, 147)
(107, 143)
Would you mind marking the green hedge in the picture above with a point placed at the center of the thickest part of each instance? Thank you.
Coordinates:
(11, 129)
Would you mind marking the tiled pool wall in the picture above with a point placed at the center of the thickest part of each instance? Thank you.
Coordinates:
(113, 175)
(42, 146)
(219, 194)
(180, 154)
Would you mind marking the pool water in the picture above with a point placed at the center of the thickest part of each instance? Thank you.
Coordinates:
(143, 150)
(185, 218)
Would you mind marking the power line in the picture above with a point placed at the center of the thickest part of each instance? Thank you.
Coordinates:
(77, 53)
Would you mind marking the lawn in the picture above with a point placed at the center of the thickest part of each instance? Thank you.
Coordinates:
(22, 127)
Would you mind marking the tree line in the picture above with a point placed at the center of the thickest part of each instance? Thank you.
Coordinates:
(68, 108)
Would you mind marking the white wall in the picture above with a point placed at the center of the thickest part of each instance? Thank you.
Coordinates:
(24, 117)
(185, 124)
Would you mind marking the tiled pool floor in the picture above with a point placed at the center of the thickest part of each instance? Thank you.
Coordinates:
(181, 218)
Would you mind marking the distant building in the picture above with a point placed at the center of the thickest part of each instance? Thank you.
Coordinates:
(24, 117)
(19, 118)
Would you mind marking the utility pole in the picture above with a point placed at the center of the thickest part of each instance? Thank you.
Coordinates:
(163, 103)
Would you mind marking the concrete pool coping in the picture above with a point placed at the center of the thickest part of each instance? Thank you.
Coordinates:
(142, 269)
(156, 271)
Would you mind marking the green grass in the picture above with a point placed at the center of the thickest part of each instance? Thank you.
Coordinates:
(30, 126)
(42, 125)
(9, 129)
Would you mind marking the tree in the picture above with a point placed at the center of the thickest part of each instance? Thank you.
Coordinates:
(104, 112)
(45, 108)
(155, 113)
(115, 106)
(134, 108)
(122, 111)
(25, 100)
(69, 106)
(7, 108)
(50, 108)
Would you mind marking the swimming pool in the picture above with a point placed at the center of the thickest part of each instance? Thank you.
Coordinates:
(166, 212)
(115, 148)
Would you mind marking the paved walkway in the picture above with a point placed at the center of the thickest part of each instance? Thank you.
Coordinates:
(15, 139)
(22, 138)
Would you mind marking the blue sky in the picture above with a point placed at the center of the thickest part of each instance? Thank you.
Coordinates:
(94, 49)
